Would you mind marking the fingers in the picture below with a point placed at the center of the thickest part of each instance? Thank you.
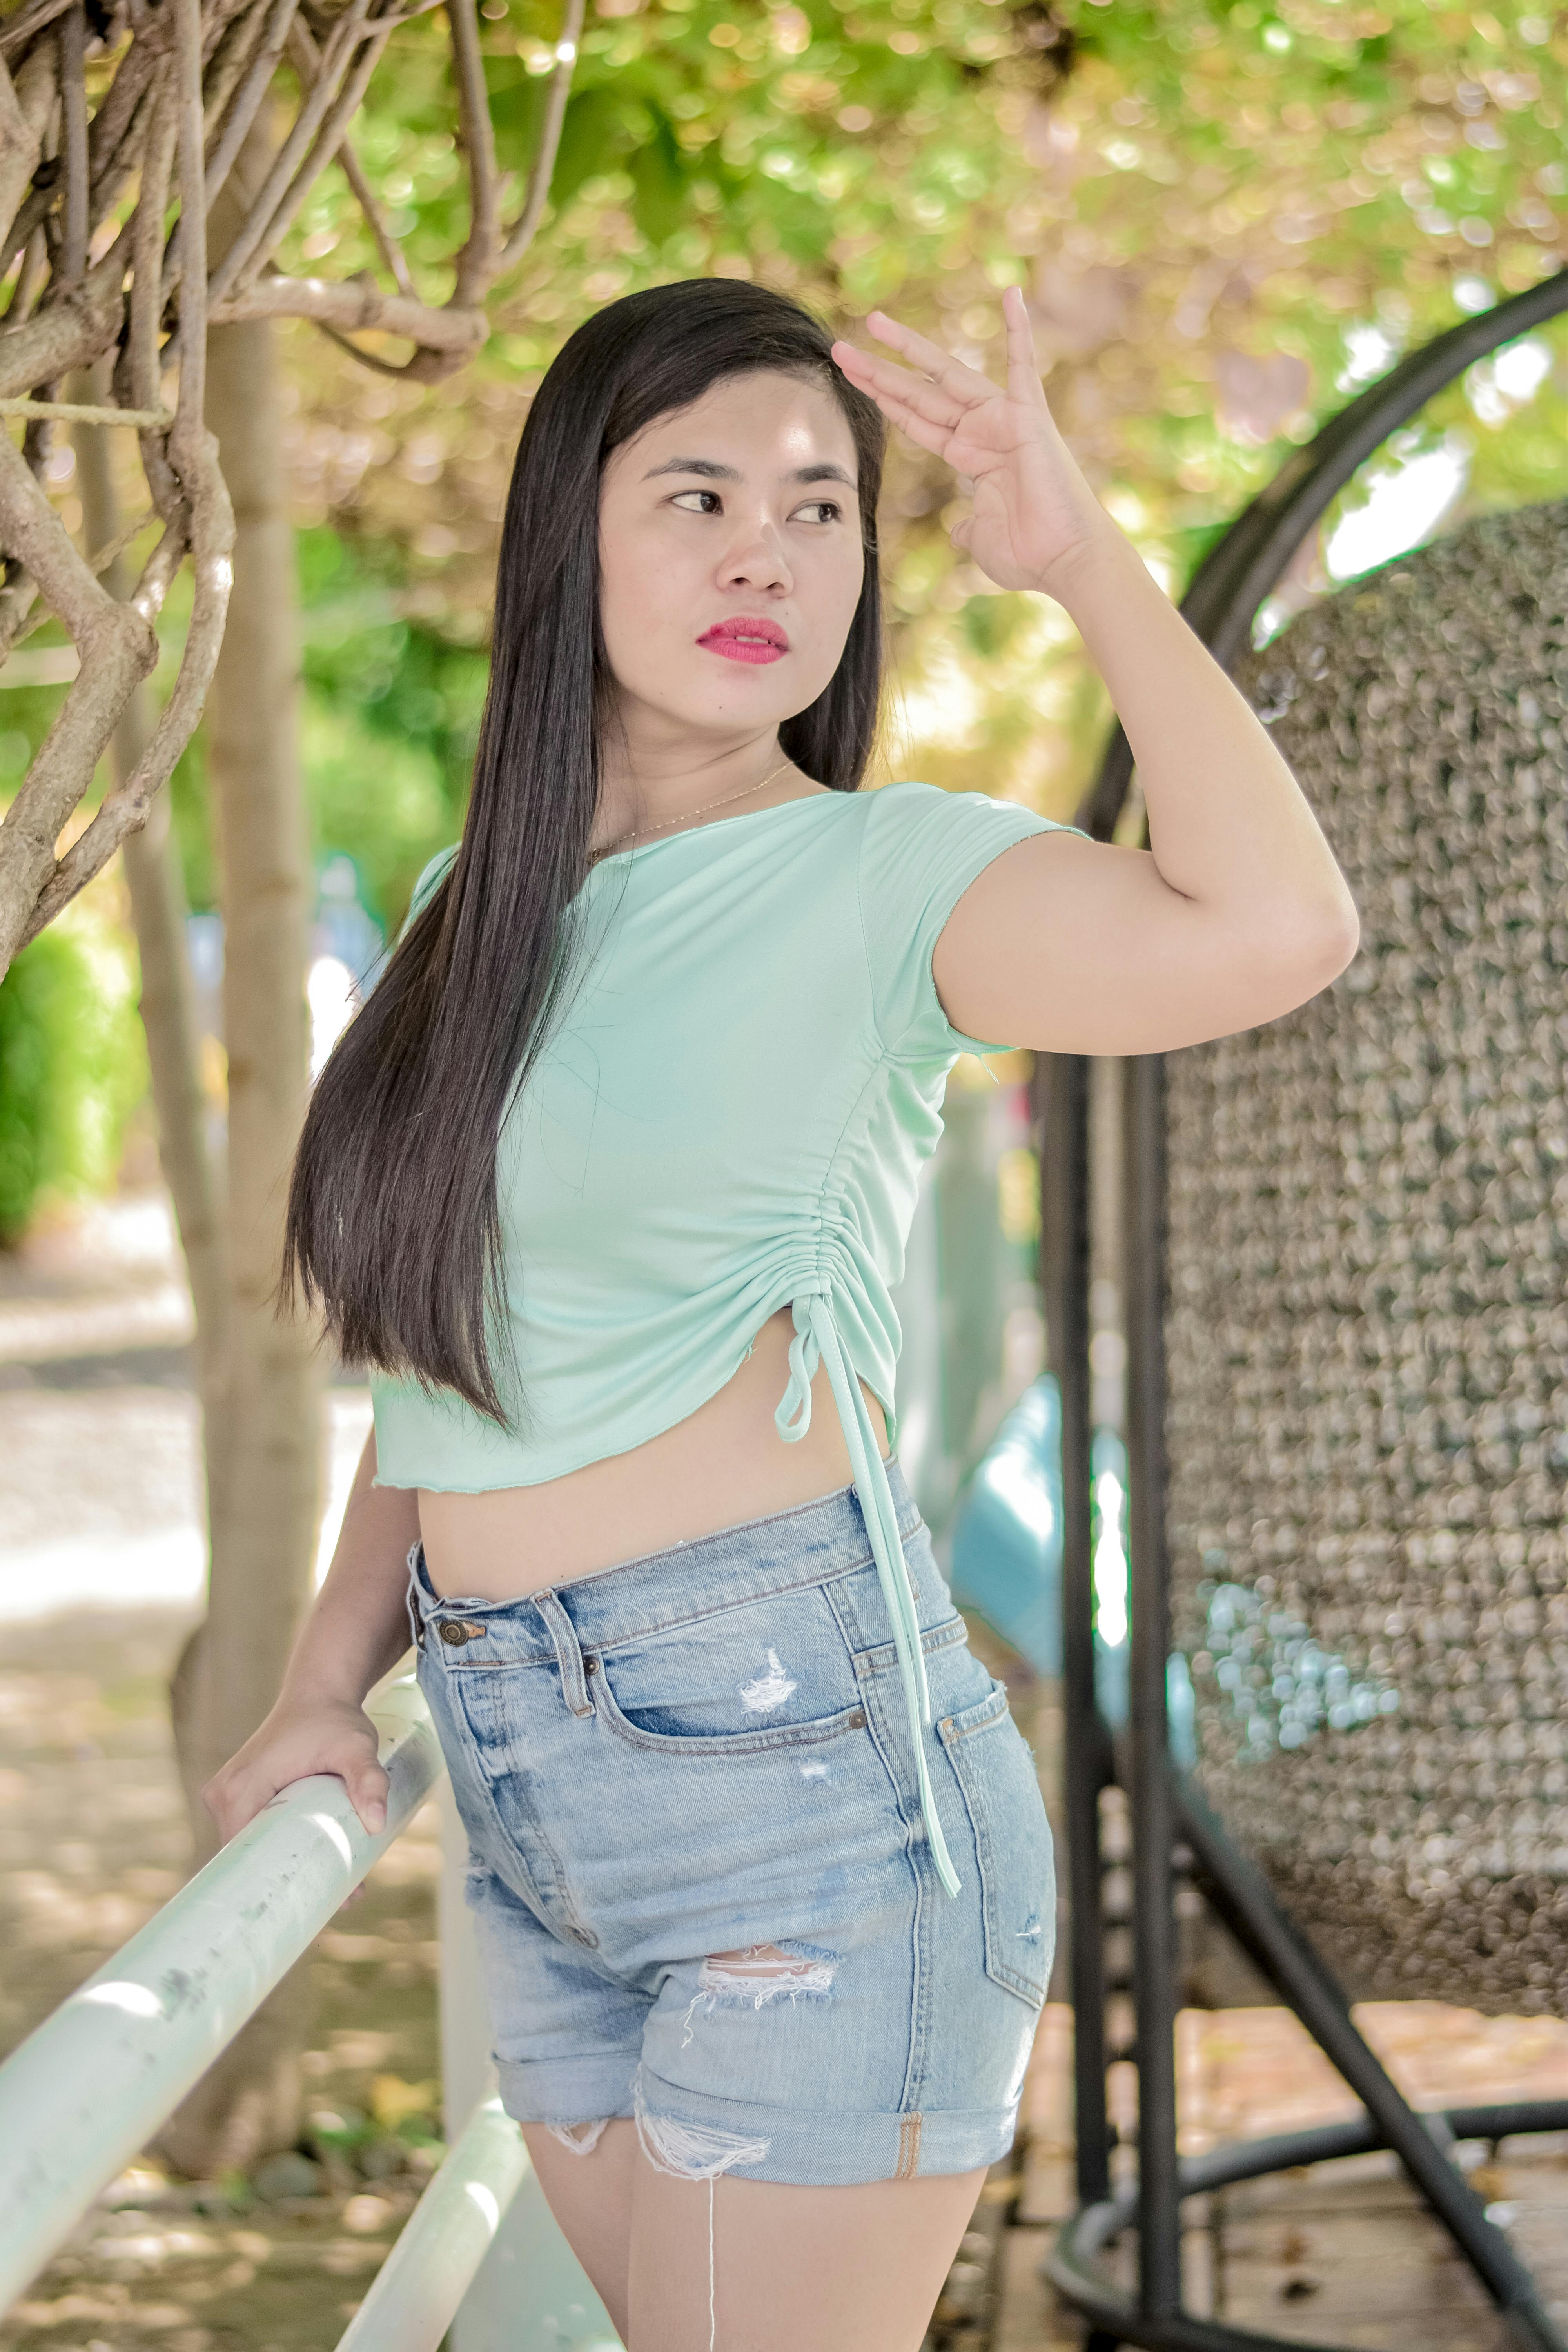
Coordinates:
(914, 426)
(367, 1795)
(966, 384)
(947, 390)
(898, 393)
(1023, 362)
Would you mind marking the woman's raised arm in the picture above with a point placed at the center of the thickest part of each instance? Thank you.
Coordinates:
(1237, 911)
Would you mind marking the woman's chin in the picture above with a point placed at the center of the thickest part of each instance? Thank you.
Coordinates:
(752, 698)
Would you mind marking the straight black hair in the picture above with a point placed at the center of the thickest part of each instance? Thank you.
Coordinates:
(393, 1228)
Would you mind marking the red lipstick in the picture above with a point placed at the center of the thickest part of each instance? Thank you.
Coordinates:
(746, 639)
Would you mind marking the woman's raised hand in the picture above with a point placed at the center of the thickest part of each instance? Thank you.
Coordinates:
(1033, 511)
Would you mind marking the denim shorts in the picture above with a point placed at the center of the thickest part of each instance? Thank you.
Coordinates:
(700, 1883)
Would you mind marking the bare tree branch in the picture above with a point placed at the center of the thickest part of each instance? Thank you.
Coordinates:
(72, 37)
(188, 427)
(75, 411)
(118, 648)
(387, 245)
(26, 105)
(97, 563)
(335, 60)
(20, 147)
(308, 56)
(65, 336)
(136, 377)
(28, 21)
(543, 166)
(355, 305)
(125, 809)
(258, 82)
(476, 263)
(175, 106)
(324, 147)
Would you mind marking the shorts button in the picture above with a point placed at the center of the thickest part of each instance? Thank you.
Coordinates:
(590, 1665)
(451, 1630)
(857, 1720)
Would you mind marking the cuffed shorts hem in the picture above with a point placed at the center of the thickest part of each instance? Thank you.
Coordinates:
(564, 2092)
(687, 2133)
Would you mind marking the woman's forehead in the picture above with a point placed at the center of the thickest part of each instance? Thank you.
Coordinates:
(763, 421)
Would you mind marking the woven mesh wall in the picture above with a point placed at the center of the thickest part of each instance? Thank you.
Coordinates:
(1368, 1338)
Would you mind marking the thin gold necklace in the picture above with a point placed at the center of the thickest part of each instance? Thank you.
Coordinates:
(700, 809)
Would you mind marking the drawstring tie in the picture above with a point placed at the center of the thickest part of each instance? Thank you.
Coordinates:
(816, 1342)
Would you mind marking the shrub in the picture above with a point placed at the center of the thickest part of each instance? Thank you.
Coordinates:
(72, 1067)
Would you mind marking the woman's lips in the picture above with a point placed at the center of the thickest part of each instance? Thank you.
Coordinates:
(747, 640)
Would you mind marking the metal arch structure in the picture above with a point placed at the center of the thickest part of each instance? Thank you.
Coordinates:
(1165, 1804)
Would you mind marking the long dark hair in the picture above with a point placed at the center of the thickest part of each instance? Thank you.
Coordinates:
(394, 1227)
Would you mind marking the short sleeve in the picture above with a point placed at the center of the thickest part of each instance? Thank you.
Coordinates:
(921, 849)
(429, 882)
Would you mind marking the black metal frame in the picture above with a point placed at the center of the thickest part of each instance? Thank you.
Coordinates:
(1220, 606)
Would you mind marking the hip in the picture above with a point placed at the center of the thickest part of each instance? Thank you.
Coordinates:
(710, 1746)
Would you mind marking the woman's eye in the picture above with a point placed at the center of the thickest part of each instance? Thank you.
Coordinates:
(821, 511)
(691, 501)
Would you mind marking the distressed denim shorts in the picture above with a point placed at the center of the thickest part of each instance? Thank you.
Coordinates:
(700, 1883)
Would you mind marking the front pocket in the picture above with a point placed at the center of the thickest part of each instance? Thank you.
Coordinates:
(723, 1743)
(767, 1673)
(1012, 1841)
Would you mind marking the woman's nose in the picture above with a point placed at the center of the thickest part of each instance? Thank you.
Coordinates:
(757, 559)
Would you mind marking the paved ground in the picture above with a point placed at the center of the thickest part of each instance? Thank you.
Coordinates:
(99, 1578)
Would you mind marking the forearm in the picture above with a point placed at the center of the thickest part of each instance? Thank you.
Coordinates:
(1228, 827)
(357, 1628)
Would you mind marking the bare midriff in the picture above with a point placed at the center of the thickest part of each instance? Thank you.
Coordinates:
(724, 1463)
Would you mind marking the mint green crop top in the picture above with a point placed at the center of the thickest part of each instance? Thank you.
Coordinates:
(729, 1117)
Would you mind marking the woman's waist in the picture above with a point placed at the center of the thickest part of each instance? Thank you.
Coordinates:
(660, 1591)
(720, 1466)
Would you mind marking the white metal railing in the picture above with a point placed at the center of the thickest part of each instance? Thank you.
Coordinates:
(88, 2089)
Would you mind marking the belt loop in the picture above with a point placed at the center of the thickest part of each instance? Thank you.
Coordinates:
(568, 1652)
(416, 1622)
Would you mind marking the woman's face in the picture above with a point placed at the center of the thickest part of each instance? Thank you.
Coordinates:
(729, 560)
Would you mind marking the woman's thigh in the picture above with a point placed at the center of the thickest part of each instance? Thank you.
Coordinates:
(840, 2270)
(756, 2266)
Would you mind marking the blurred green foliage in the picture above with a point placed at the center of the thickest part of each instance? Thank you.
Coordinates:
(389, 720)
(72, 1067)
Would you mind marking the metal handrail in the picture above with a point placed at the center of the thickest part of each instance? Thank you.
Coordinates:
(82, 2095)
(415, 2293)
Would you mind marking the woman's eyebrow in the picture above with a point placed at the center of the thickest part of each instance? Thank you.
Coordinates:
(703, 465)
(827, 471)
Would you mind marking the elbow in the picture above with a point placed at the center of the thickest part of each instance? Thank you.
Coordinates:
(1321, 946)
(1341, 939)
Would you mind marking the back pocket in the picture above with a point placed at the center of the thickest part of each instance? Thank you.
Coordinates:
(1013, 1841)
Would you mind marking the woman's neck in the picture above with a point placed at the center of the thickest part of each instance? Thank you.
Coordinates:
(654, 789)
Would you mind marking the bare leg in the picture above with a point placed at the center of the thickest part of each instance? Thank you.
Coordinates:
(841, 2270)
(591, 2197)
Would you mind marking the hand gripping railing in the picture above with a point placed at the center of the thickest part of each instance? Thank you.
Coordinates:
(89, 2088)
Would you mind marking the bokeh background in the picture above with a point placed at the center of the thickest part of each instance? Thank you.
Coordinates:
(1226, 220)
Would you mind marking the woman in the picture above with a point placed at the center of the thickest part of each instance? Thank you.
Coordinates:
(608, 1183)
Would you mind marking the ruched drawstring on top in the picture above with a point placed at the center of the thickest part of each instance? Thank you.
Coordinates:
(816, 1341)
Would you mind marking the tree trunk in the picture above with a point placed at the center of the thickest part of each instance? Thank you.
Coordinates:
(168, 999)
(264, 1535)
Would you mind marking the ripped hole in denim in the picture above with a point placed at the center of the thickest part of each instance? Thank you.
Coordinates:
(758, 1976)
(693, 2152)
(581, 2138)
